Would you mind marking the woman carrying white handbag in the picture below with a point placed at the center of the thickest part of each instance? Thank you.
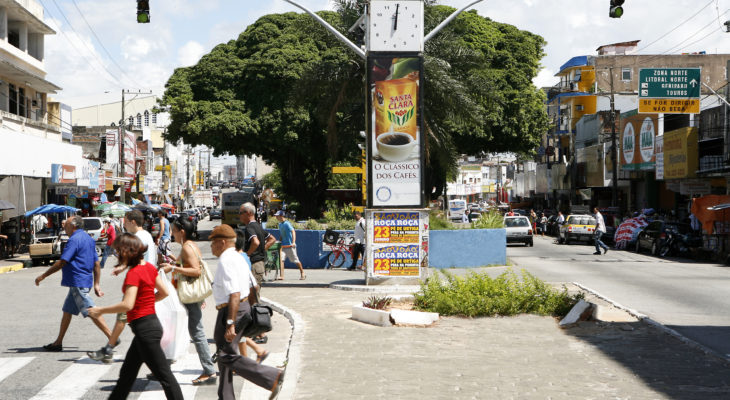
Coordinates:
(193, 281)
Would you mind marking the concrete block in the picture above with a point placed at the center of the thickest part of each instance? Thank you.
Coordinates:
(409, 317)
(611, 314)
(371, 316)
(579, 312)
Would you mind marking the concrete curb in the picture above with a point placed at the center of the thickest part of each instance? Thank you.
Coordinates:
(294, 350)
(407, 289)
(642, 317)
(11, 268)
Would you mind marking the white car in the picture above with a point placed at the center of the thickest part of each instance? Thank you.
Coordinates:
(93, 226)
(518, 229)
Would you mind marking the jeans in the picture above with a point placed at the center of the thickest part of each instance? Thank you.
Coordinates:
(146, 348)
(357, 250)
(107, 250)
(229, 360)
(599, 244)
(197, 333)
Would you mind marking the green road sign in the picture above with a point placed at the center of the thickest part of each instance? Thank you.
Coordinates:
(669, 83)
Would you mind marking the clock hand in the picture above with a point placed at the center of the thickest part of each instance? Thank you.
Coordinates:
(395, 25)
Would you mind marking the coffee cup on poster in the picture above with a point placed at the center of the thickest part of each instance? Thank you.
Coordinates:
(395, 146)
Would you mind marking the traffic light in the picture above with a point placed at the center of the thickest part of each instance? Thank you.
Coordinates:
(615, 10)
(143, 11)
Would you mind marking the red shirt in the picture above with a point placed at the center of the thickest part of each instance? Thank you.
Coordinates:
(111, 234)
(142, 276)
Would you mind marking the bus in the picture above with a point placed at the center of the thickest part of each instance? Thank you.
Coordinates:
(457, 208)
(231, 202)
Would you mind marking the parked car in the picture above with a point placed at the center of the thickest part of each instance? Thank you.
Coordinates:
(579, 227)
(518, 230)
(93, 226)
(553, 228)
(215, 214)
(653, 237)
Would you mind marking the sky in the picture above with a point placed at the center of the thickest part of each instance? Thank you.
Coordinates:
(99, 48)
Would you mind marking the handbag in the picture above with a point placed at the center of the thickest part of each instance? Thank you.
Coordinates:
(258, 321)
(195, 289)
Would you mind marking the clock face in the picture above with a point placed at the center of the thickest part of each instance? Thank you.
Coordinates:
(395, 26)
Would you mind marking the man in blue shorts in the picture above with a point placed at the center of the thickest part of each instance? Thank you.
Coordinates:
(80, 268)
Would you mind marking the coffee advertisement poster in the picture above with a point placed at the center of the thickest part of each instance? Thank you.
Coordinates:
(398, 242)
(395, 147)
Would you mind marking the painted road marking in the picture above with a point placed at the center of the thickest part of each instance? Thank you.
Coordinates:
(74, 381)
(8, 366)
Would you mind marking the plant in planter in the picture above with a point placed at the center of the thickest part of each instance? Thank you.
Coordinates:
(377, 302)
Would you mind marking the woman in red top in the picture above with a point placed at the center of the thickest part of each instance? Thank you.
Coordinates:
(110, 234)
(139, 304)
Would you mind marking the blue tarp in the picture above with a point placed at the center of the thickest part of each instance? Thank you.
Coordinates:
(51, 208)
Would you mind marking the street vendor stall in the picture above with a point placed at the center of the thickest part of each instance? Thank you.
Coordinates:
(48, 240)
(713, 213)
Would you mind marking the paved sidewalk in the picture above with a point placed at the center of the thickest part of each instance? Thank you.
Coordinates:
(524, 357)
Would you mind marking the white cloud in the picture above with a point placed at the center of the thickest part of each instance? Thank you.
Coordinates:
(545, 78)
(190, 53)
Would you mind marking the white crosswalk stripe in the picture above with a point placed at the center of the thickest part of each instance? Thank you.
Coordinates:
(8, 366)
(74, 381)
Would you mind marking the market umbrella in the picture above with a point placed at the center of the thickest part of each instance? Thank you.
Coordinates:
(6, 205)
(143, 207)
(115, 209)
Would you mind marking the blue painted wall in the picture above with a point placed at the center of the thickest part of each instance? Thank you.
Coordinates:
(467, 248)
(457, 248)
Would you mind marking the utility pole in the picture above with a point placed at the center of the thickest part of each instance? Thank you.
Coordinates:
(207, 181)
(200, 167)
(122, 135)
(614, 159)
(187, 174)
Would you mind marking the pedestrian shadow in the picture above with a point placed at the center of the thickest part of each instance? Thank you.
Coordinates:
(39, 349)
(293, 284)
(138, 386)
(664, 362)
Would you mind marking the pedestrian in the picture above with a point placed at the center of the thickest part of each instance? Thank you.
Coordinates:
(80, 271)
(110, 234)
(599, 231)
(358, 247)
(561, 218)
(163, 237)
(188, 265)
(140, 284)
(288, 245)
(231, 287)
(533, 220)
(510, 213)
(543, 224)
(261, 353)
(133, 224)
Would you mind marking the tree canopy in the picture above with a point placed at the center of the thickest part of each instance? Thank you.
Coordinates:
(288, 91)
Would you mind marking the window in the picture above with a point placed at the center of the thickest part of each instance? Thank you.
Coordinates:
(113, 124)
(13, 95)
(576, 78)
(146, 118)
(21, 102)
(139, 119)
(131, 120)
(625, 74)
(154, 118)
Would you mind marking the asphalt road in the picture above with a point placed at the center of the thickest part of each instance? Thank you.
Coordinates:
(689, 297)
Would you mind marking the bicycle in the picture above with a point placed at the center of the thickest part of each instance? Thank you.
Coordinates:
(272, 267)
(341, 247)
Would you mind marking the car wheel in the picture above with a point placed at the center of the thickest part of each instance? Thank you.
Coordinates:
(531, 243)
(654, 249)
(637, 246)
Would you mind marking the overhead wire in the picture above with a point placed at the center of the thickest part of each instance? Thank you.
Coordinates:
(115, 82)
(680, 24)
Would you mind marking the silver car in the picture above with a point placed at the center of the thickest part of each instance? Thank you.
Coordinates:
(518, 229)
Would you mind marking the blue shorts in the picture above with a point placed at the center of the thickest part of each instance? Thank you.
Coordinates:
(78, 301)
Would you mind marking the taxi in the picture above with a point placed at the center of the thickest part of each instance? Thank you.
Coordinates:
(577, 227)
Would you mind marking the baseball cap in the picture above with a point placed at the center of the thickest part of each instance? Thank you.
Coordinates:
(222, 232)
(280, 213)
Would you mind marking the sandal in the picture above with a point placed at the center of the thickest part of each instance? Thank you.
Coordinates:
(261, 358)
(53, 347)
(210, 380)
(303, 277)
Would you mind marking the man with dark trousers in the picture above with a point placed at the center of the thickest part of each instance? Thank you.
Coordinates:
(231, 287)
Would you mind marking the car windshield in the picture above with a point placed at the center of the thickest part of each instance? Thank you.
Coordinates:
(583, 220)
(92, 224)
(516, 222)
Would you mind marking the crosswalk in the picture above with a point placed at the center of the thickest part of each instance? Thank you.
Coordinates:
(83, 377)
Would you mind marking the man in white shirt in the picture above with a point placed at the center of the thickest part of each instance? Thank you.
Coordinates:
(359, 247)
(600, 230)
(231, 287)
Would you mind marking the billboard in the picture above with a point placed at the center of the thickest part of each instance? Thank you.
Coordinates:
(395, 139)
(398, 242)
(680, 153)
(638, 135)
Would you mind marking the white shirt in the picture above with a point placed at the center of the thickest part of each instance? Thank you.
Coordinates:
(360, 231)
(151, 254)
(600, 225)
(232, 276)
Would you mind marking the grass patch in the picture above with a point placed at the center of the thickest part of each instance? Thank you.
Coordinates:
(479, 295)
(438, 222)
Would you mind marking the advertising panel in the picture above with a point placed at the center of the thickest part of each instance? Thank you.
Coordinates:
(61, 173)
(659, 153)
(638, 132)
(398, 241)
(394, 132)
(680, 153)
(94, 175)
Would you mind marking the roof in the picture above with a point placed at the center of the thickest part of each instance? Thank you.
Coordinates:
(577, 61)
(620, 44)
(569, 94)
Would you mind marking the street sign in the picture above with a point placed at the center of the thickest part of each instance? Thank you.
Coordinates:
(669, 90)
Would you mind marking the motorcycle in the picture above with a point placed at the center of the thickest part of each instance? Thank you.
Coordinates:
(678, 244)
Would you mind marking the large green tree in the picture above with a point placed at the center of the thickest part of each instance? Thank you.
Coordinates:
(288, 91)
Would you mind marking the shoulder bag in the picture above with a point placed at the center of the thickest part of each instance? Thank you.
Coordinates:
(258, 321)
(195, 289)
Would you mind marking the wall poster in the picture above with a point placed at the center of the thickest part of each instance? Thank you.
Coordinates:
(397, 242)
(395, 142)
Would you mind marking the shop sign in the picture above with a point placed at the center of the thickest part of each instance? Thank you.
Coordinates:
(398, 242)
(659, 151)
(101, 179)
(627, 144)
(639, 132)
(680, 153)
(108, 183)
(396, 151)
(646, 140)
(694, 187)
(77, 192)
(94, 175)
(61, 173)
